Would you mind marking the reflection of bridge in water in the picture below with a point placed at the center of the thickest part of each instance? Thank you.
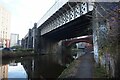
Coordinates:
(32, 67)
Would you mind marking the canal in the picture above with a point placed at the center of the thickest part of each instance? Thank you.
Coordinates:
(40, 66)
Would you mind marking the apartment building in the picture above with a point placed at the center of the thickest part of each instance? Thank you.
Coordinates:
(4, 27)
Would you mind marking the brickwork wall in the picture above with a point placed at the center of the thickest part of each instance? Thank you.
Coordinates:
(105, 31)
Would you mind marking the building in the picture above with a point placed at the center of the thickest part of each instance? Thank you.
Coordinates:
(14, 40)
(4, 27)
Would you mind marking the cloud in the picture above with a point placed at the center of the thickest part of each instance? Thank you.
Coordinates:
(7, 1)
(25, 13)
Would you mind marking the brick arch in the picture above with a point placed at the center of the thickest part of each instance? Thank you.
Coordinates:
(87, 39)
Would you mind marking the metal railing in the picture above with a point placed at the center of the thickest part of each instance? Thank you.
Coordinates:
(58, 4)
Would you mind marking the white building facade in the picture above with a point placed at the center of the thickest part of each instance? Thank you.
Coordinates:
(14, 40)
(5, 17)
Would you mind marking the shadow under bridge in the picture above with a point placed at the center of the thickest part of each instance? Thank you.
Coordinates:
(80, 26)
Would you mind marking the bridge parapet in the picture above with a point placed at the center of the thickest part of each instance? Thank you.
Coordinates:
(61, 13)
(58, 4)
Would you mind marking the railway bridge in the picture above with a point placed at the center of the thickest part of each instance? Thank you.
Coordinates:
(65, 20)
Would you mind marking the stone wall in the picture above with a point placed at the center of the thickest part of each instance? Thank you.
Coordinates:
(105, 34)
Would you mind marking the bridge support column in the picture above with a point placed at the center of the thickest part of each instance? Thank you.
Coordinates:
(66, 53)
(48, 46)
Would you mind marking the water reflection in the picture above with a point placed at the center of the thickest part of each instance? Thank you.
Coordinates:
(42, 67)
(16, 70)
(3, 71)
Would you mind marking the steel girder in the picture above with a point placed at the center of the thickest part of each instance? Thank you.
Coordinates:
(67, 13)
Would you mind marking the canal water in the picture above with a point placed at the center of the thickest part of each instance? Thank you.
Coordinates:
(42, 67)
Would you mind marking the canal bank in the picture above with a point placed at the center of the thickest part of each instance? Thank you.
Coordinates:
(17, 53)
(82, 67)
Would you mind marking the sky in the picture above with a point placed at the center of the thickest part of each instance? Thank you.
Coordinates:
(24, 13)
(17, 71)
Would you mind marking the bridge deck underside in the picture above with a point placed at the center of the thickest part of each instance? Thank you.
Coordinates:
(75, 28)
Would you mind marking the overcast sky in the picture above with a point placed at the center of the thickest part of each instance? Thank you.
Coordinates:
(24, 13)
